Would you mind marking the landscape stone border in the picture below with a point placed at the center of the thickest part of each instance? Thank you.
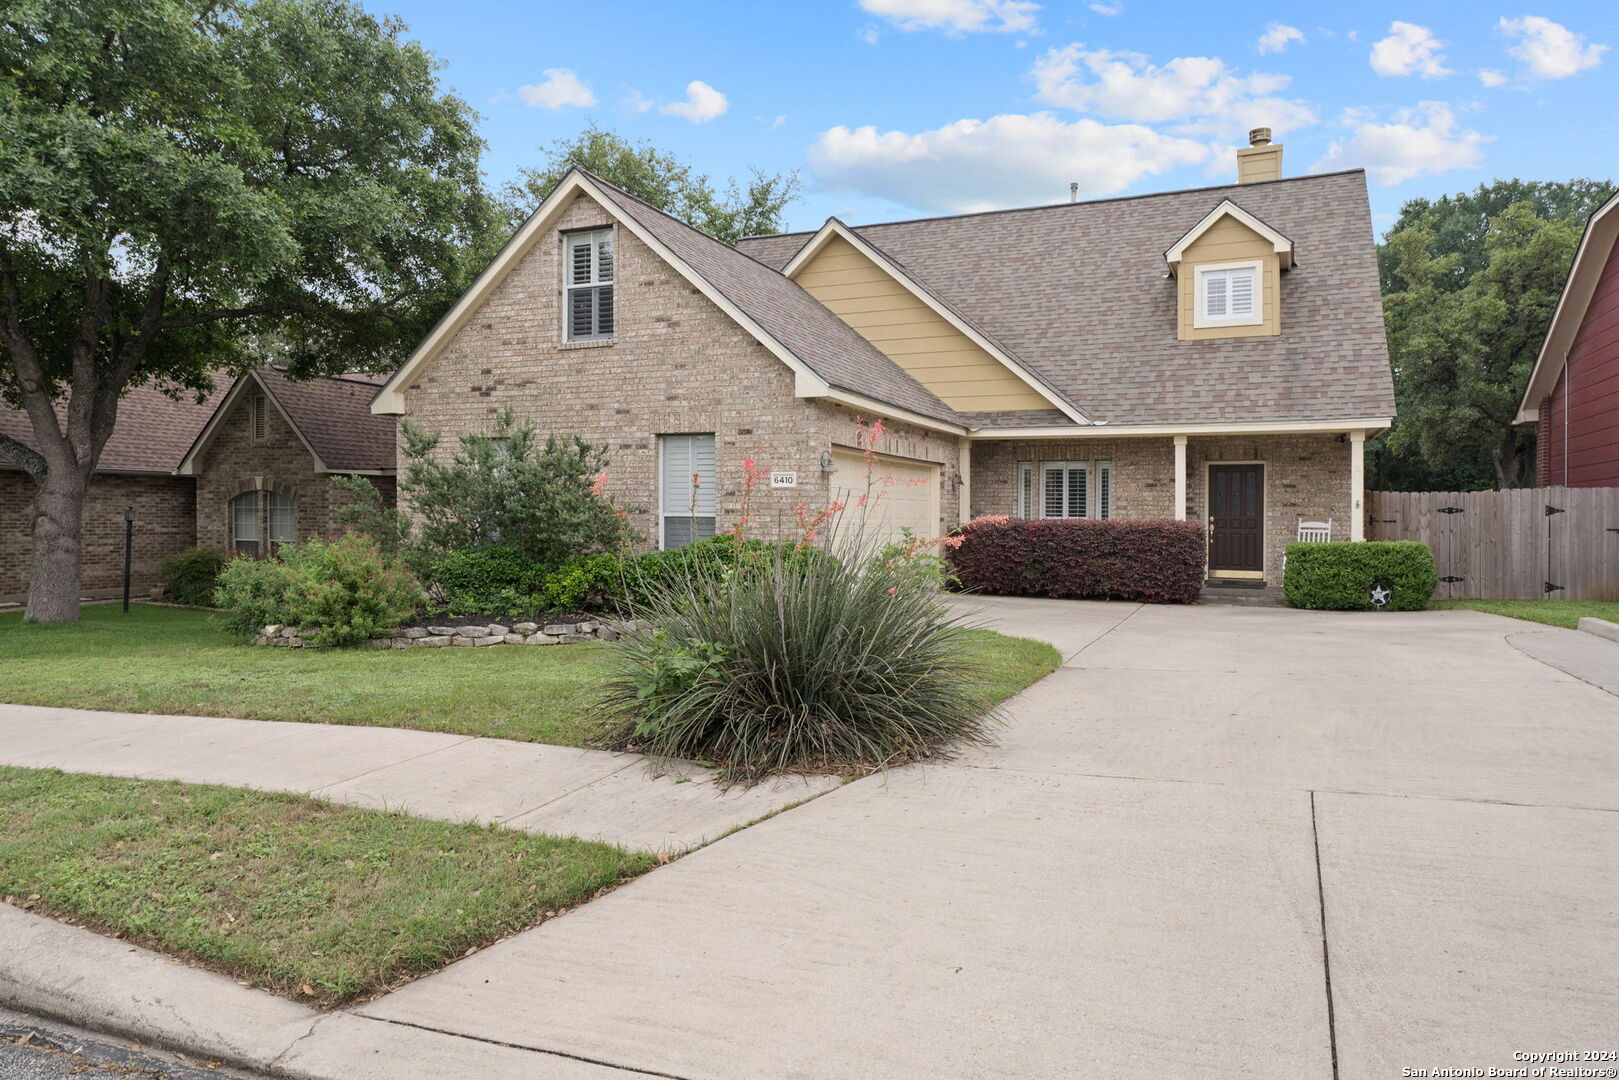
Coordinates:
(471, 637)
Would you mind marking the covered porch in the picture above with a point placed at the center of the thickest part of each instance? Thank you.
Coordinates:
(1253, 488)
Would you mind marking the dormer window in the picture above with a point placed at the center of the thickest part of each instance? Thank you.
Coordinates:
(1228, 294)
(588, 258)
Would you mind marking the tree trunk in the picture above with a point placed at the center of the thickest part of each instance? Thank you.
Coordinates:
(1506, 461)
(53, 580)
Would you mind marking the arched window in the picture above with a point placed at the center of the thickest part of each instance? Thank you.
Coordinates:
(281, 519)
(244, 523)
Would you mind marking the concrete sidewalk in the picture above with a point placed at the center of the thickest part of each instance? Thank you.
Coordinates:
(552, 789)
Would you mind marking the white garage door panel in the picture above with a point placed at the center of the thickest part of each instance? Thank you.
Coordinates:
(905, 494)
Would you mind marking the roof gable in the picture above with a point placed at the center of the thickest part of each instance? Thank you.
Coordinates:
(823, 352)
(1590, 259)
(1280, 244)
(331, 417)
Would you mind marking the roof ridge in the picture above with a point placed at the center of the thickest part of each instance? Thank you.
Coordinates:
(1062, 205)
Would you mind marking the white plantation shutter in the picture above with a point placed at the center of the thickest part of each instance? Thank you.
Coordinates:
(1242, 292)
(688, 509)
(1229, 295)
(590, 289)
(1025, 489)
(1214, 295)
(1065, 489)
(1104, 490)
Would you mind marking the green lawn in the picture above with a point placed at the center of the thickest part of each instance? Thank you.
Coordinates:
(319, 902)
(1551, 612)
(174, 660)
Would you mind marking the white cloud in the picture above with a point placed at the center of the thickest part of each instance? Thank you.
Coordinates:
(1200, 93)
(1551, 50)
(1007, 160)
(560, 89)
(1491, 77)
(956, 16)
(1278, 36)
(702, 103)
(1419, 141)
(1409, 50)
(1109, 10)
(778, 121)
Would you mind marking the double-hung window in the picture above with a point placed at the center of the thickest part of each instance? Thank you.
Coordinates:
(281, 522)
(1065, 489)
(687, 496)
(588, 258)
(1228, 294)
(244, 523)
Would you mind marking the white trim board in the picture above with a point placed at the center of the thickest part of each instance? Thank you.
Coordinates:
(837, 229)
(1280, 244)
(1370, 425)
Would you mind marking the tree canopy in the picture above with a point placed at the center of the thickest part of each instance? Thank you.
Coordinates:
(750, 208)
(183, 181)
(1470, 282)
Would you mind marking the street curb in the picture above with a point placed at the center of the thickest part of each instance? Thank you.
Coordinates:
(80, 978)
(1602, 628)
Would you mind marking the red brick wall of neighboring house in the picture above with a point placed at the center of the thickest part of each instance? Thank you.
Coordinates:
(165, 524)
(1578, 434)
(235, 462)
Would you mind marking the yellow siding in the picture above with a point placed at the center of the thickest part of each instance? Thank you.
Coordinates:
(912, 334)
(1229, 240)
(1258, 163)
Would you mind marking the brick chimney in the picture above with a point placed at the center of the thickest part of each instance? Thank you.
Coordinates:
(1261, 159)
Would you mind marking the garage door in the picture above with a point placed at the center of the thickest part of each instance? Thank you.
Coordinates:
(905, 494)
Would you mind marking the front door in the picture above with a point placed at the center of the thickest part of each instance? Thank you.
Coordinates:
(1237, 519)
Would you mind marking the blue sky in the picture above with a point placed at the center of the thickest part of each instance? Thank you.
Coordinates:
(902, 108)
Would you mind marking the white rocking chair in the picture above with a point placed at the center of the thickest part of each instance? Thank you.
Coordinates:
(1315, 532)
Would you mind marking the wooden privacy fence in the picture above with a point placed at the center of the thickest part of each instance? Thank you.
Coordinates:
(1555, 542)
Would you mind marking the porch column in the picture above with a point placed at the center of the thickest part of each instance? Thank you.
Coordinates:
(964, 506)
(1180, 478)
(1357, 485)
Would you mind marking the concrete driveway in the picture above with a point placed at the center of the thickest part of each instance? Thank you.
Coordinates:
(1218, 842)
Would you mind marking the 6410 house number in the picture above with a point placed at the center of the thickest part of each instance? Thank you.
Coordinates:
(783, 479)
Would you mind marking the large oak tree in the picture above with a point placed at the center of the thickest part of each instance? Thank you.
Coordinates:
(188, 184)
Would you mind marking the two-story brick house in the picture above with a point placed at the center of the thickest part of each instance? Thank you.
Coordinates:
(1214, 354)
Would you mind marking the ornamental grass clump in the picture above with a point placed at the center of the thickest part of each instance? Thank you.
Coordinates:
(795, 660)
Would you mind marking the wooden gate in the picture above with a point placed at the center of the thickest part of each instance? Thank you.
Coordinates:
(1526, 543)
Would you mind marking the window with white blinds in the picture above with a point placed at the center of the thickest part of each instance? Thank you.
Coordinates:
(588, 259)
(1228, 295)
(1065, 489)
(281, 520)
(687, 490)
(1104, 489)
(244, 523)
(1026, 488)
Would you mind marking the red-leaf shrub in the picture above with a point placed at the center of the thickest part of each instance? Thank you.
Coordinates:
(1153, 561)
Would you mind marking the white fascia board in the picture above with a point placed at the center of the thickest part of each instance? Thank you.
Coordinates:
(389, 401)
(1583, 276)
(1258, 427)
(1280, 244)
(836, 228)
(893, 412)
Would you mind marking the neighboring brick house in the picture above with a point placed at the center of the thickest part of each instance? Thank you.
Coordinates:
(264, 463)
(136, 470)
(265, 447)
(1156, 356)
(1573, 395)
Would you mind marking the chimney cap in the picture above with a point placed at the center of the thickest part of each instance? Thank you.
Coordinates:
(1259, 136)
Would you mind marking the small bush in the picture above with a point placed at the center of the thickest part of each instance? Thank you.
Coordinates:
(192, 576)
(1341, 576)
(344, 590)
(482, 579)
(793, 661)
(253, 593)
(1153, 561)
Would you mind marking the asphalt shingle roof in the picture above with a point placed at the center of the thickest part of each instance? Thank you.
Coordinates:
(335, 416)
(152, 434)
(1079, 293)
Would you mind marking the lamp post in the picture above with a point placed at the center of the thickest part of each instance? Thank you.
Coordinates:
(129, 546)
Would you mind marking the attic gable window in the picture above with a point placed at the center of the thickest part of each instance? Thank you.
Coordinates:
(1228, 294)
(588, 266)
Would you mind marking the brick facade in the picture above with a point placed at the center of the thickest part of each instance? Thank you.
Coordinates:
(1306, 476)
(165, 525)
(677, 364)
(234, 462)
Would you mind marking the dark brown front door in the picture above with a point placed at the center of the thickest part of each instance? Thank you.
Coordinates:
(1237, 517)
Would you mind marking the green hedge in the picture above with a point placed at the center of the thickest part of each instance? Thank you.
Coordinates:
(1341, 576)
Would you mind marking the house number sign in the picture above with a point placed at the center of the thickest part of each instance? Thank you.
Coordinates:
(783, 479)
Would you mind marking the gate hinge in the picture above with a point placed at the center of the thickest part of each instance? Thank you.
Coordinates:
(1450, 509)
(1550, 588)
(1550, 509)
(1450, 580)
